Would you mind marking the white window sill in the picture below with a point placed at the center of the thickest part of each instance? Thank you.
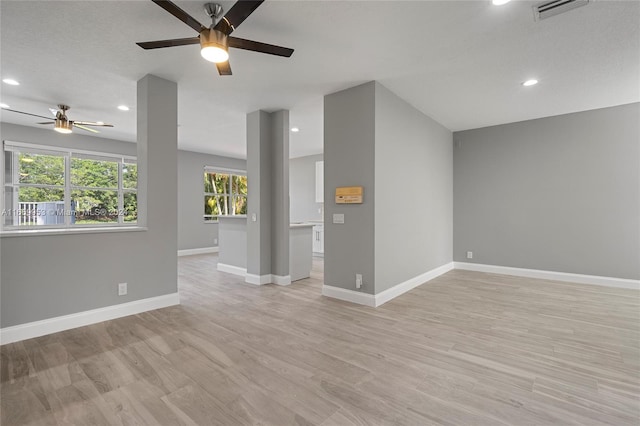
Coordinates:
(70, 231)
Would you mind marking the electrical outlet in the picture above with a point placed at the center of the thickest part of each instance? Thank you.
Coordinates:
(358, 280)
(215, 241)
(122, 289)
(469, 255)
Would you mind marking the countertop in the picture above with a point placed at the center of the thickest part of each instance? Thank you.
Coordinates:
(301, 225)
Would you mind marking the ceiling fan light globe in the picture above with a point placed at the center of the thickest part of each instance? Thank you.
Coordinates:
(214, 46)
(214, 54)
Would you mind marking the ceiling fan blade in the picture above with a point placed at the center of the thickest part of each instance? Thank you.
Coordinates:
(48, 122)
(92, 123)
(173, 9)
(236, 15)
(85, 128)
(256, 46)
(28, 113)
(224, 68)
(169, 43)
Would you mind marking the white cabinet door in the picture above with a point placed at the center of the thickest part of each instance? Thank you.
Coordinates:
(319, 181)
(318, 239)
(321, 238)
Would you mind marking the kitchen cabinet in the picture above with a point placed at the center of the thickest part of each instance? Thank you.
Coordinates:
(319, 181)
(318, 238)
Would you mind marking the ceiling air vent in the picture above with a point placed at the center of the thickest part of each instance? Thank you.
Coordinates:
(551, 8)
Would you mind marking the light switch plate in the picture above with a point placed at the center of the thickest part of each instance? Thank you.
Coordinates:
(338, 218)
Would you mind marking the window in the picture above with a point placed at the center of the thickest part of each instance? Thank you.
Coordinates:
(60, 188)
(225, 193)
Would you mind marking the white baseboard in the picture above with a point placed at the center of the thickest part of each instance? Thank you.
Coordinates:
(257, 279)
(410, 284)
(281, 279)
(30, 330)
(390, 293)
(203, 250)
(349, 295)
(230, 269)
(551, 275)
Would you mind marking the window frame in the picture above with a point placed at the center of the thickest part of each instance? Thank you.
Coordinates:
(67, 155)
(229, 195)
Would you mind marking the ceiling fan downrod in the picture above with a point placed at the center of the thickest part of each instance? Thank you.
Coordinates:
(214, 11)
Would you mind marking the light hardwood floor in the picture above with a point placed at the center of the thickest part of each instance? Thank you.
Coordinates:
(465, 349)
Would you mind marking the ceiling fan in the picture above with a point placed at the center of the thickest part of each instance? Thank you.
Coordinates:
(61, 123)
(216, 40)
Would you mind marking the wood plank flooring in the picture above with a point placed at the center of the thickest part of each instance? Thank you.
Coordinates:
(465, 349)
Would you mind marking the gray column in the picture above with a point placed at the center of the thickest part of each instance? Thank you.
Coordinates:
(157, 110)
(280, 195)
(268, 199)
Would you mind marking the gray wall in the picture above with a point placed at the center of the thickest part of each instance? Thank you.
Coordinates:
(233, 237)
(349, 136)
(193, 232)
(302, 188)
(413, 192)
(52, 275)
(559, 193)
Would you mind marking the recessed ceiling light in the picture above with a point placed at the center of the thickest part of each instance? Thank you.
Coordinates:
(123, 108)
(11, 82)
(295, 129)
(499, 2)
(531, 82)
(4, 106)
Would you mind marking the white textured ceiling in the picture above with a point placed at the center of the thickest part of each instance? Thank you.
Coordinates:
(460, 62)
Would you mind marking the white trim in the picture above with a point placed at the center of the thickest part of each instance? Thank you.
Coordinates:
(255, 279)
(349, 295)
(203, 250)
(79, 229)
(551, 275)
(258, 279)
(410, 284)
(230, 269)
(281, 279)
(390, 293)
(29, 330)
(214, 169)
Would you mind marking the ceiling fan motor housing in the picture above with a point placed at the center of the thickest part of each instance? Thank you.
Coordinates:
(63, 125)
(213, 38)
